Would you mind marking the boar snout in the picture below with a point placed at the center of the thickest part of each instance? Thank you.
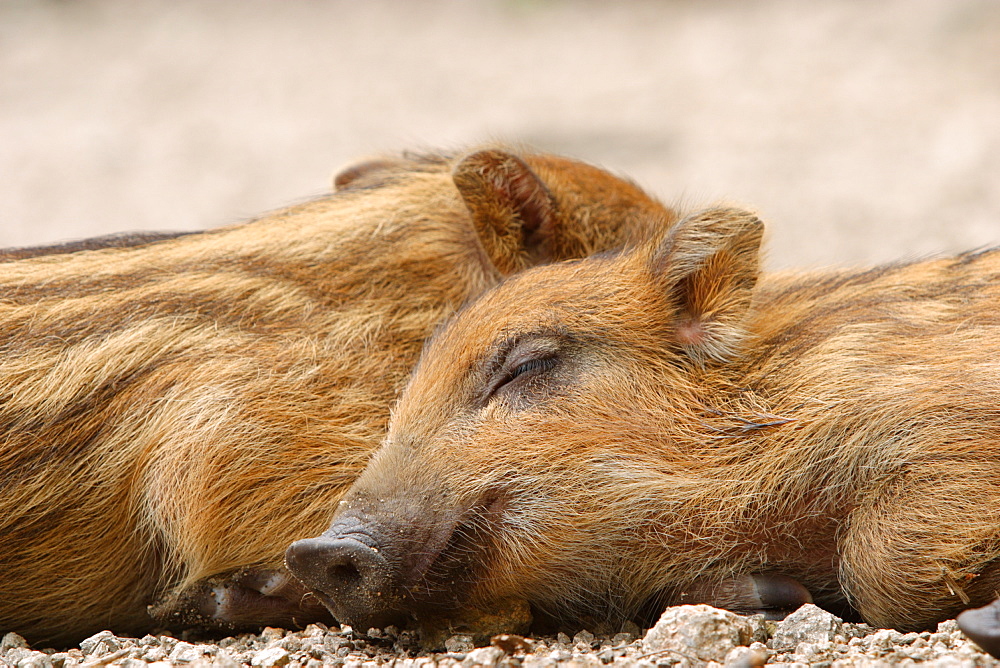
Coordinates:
(390, 559)
(367, 568)
(348, 573)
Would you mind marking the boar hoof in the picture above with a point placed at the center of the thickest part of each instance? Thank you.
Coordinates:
(247, 599)
(770, 594)
(982, 625)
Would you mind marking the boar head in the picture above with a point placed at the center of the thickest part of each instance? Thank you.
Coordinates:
(535, 452)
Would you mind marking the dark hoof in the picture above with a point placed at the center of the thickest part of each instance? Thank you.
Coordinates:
(982, 625)
(769, 594)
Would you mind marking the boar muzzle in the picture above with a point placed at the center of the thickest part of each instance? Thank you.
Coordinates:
(348, 574)
(390, 562)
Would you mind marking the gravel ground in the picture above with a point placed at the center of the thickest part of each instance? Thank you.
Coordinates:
(685, 636)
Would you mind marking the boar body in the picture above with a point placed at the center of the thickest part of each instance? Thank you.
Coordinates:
(596, 436)
(176, 409)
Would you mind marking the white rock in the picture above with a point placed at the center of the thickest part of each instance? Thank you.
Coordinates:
(698, 633)
(270, 657)
(34, 660)
(459, 643)
(483, 656)
(100, 644)
(807, 624)
(315, 630)
(271, 634)
(883, 640)
(12, 640)
(130, 663)
(746, 657)
(15, 654)
(155, 654)
(948, 626)
(185, 652)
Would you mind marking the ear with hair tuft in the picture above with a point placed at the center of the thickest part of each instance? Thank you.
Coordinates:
(708, 265)
(512, 210)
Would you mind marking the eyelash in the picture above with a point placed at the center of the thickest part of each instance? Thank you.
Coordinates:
(543, 363)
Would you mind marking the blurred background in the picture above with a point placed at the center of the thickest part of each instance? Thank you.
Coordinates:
(860, 131)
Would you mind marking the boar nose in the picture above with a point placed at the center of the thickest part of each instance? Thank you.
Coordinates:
(354, 579)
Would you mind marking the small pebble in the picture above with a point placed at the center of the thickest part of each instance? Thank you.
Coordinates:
(459, 643)
(100, 644)
(483, 656)
(271, 657)
(512, 644)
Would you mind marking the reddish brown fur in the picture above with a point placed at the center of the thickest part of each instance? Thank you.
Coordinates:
(175, 413)
(596, 435)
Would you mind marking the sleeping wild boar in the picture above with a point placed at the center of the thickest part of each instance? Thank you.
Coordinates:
(594, 436)
(176, 409)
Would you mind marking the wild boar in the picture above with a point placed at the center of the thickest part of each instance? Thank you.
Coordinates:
(595, 436)
(176, 409)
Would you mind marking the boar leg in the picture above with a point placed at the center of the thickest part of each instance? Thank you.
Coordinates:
(247, 599)
(982, 625)
(770, 594)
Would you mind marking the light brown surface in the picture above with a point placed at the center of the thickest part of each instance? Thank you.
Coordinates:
(860, 131)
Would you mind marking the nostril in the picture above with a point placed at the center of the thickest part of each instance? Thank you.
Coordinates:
(346, 574)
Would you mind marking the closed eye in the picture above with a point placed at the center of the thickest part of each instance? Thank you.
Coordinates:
(526, 369)
(543, 364)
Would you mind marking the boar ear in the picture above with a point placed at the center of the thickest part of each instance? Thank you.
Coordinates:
(708, 265)
(353, 175)
(512, 210)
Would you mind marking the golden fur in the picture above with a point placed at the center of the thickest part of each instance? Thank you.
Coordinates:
(603, 433)
(176, 410)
